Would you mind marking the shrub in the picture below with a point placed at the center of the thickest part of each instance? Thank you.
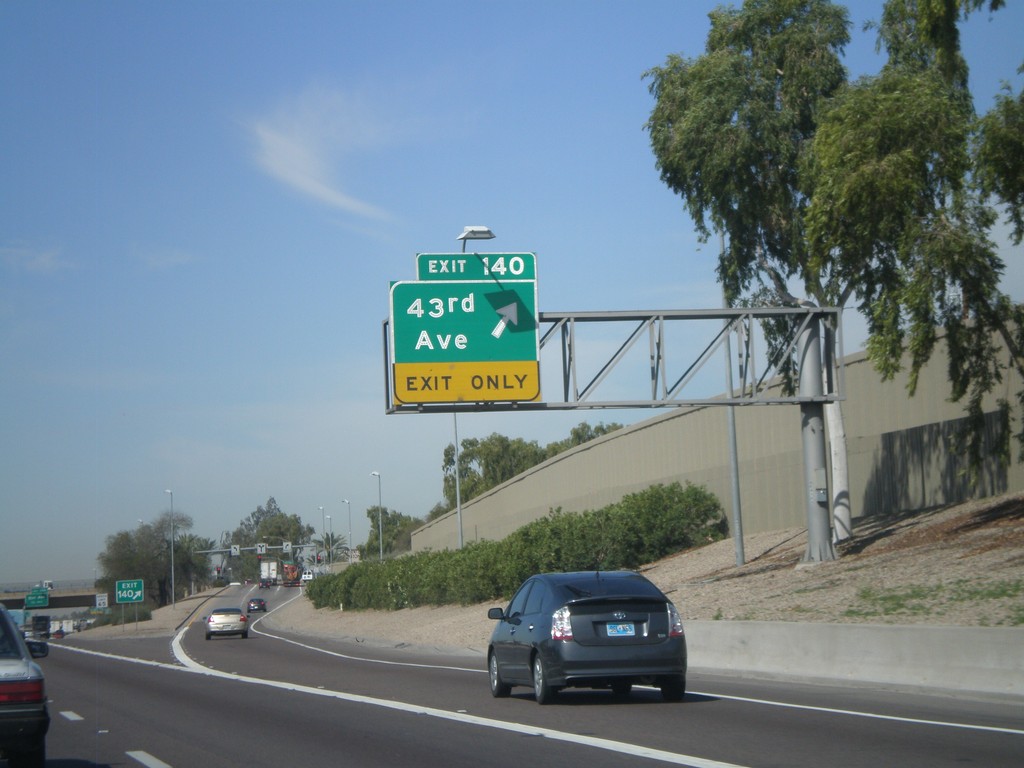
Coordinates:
(640, 528)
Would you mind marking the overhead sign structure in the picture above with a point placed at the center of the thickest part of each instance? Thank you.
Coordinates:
(467, 330)
(128, 591)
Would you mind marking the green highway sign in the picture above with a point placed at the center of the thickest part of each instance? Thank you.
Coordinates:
(37, 598)
(496, 267)
(129, 591)
(465, 340)
(457, 321)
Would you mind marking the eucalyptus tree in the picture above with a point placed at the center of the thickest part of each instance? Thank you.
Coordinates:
(858, 190)
(730, 130)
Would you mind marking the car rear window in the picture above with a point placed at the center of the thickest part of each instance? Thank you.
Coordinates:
(227, 610)
(596, 585)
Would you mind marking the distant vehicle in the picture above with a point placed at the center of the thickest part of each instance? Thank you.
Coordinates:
(41, 627)
(308, 575)
(265, 584)
(268, 572)
(58, 635)
(291, 574)
(24, 717)
(227, 621)
(589, 629)
(257, 604)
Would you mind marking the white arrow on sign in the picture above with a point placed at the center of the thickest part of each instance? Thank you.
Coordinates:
(509, 314)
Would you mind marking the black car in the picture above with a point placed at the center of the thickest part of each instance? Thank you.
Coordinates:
(24, 717)
(257, 604)
(589, 629)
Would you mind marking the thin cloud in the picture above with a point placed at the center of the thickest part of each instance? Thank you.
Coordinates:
(305, 142)
(33, 261)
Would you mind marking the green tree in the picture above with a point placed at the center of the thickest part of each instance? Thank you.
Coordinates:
(267, 525)
(578, 435)
(1000, 156)
(849, 189)
(397, 530)
(438, 510)
(333, 546)
(145, 553)
(487, 463)
(730, 131)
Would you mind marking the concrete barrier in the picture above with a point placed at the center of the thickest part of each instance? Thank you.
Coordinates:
(986, 660)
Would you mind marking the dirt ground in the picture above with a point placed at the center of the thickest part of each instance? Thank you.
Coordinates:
(961, 565)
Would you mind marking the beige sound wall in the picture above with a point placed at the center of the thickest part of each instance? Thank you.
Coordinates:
(903, 455)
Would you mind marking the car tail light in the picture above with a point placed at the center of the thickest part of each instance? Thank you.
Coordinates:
(22, 692)
(675, 622)
(243, 617)
(561, 625)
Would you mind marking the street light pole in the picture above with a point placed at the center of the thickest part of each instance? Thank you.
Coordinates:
(380, 519)
(348, 543)
(330, 550)
(323, 529)
(173, 604)
(468, 233)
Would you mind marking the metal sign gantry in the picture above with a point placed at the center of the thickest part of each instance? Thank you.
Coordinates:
(759, 363)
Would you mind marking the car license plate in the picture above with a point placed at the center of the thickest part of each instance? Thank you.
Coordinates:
(624, 629)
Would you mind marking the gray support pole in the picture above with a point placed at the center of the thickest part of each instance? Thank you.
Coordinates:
(458, 483)
(734, 469)
(812, 421)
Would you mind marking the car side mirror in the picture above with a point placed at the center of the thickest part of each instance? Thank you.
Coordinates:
(37, 649)
(496, 613)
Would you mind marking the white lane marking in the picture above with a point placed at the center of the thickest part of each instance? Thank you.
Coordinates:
(194, 666)
(69, 715)
(869, 715)
(633, 750)
(765, 702)
(147, 759)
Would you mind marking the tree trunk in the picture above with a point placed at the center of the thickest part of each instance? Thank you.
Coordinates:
(842, 524)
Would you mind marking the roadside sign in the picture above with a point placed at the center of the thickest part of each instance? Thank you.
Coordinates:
(128, 591)
(37, 598)
(496, 267)
(261, 549)
(101, 599)
(465, 340)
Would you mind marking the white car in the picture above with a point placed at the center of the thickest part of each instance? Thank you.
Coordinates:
(24, 717)
(227, 621)
(307, 575)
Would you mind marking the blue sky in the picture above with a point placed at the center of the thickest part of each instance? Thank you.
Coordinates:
(202, 206)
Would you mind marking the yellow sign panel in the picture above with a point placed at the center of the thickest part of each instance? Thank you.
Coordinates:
(475, 382)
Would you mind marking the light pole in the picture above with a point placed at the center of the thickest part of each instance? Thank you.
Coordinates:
(380, 519)
(348, 543)
(330, 551)
(323, 528)
(172, 546)
(468, 233)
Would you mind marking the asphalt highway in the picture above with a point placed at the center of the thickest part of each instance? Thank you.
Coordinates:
(287, 699)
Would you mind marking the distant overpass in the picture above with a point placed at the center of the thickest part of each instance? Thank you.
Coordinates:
(59, 598)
